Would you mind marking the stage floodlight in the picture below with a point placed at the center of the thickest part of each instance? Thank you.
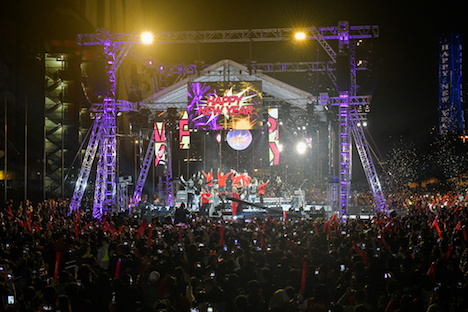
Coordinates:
(300, 35)
(301, 147)
(147, 37)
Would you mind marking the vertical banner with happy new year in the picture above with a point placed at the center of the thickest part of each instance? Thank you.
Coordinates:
(160, 143)
(273, 136)
(184, 132)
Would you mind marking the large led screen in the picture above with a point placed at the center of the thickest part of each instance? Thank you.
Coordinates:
(225, 105)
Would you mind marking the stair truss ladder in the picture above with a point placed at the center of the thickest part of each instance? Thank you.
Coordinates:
(82, 181)
(366, 160)
(144, 171)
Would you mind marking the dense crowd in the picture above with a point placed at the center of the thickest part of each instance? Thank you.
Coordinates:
(53, 260)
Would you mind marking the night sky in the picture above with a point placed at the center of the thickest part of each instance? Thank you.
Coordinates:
(405, 100)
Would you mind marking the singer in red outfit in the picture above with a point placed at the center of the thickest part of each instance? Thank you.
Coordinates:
(261, 190)
(236, 179)
(222, 180)
(208, 177)
(205, 207)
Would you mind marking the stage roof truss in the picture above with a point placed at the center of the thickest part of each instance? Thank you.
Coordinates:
(275, 92)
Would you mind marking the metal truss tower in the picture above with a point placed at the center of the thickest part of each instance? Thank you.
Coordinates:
(103, 136)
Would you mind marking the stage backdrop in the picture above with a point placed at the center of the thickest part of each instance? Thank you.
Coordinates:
(225, 105)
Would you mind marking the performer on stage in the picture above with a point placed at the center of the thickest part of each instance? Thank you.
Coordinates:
(222, 180)
(190, 188)
(252, 190)
(235, 204)
(205, 207)
(261, 190)
(236, 178)
(245, 179)
(278, 192)
(198, 190)
(215, 207)
(208, 177)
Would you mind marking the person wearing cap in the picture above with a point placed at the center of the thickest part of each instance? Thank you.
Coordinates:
(151, 293)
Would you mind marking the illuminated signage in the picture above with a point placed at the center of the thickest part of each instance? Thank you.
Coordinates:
(451, 119)
(273, 136)
(225, 105)
(239, 140)
(160, 143)
(184, 132)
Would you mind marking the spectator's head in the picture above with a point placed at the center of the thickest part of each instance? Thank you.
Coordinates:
(154, 277)
(49, 294)
(279, 301)
(360, 308)
(63, 303)
(253, 287)
(241, 303)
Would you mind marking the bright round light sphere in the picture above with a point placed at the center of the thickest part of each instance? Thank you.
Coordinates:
(147, 37)
(300, 35)
(301, 147)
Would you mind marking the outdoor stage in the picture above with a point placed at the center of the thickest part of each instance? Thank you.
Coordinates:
(294, 207)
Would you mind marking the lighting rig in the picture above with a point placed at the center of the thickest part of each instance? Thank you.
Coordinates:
(351, 107)
(103, 132)
(342, 70)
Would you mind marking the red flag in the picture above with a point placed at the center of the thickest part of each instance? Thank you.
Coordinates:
(57, 264)
(77, 213)
(458, 226)
(221, 235)
(436, 224)
(449, 251)
(304, 275)
(316, 229)
(359, 251)
(465, 237)
(77, 231)
(261, 239)
(20, 222)
(50, 225)
(329, 231)
(28, 225)
(432, 271)
(117, 270)
(141, 229)
(272, 221)
(38, 227)
(284, 215)
(150, 234)
(387, 226)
